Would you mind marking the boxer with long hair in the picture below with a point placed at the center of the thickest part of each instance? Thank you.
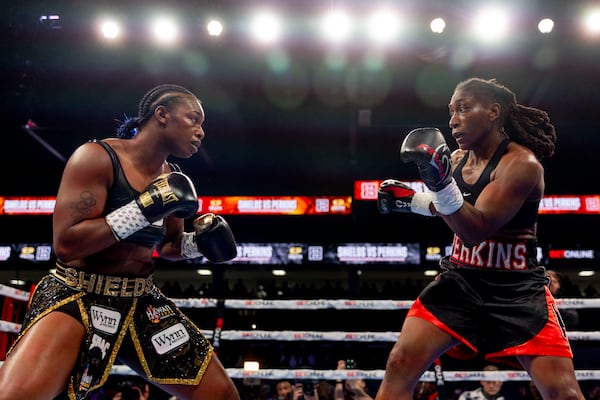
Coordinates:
(491, 298)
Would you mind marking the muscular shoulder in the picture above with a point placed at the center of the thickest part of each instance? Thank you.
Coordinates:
(88, 153)
(520, 168)
(521, 158)
(89, 160)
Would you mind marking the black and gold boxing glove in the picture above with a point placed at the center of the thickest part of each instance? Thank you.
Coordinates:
(173, 193)
(212, 238)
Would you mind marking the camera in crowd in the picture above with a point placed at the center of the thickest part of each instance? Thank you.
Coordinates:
(308, 388)
(130, 389)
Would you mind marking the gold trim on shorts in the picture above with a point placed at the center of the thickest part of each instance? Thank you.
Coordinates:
(105, 285)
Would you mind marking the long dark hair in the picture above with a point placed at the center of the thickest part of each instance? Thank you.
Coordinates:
(527, 126)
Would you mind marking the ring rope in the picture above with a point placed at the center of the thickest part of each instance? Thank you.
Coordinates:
(319, 304)
(376, 374)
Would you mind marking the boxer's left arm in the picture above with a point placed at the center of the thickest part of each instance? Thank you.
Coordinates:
(170, 247)
(519, 177)
(211, 238)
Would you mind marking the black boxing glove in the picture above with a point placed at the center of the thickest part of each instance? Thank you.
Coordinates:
(212, 238)
(173, 193)
(427, 148)
(395, 196)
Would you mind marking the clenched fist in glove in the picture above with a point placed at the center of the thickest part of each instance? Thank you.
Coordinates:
(212, 238)
(172, 193)
(395, 196)
(427, 148)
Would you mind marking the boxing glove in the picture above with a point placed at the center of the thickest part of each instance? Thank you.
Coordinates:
(395, 196)
(212, 238)
(427, 148)
(172, 193)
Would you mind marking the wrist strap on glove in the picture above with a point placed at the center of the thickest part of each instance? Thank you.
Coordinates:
(126, 220)
(420, 203)
(448, 200)
(189, 248)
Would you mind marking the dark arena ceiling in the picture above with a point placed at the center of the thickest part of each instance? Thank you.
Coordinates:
(297, 117)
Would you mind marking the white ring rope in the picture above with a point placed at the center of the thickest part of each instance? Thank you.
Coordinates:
(290, 336)
(345, 304)
(13, 293)
(339, 336)
(319, 304)
(375, 374)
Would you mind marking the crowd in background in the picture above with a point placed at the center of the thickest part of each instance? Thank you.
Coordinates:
(402, 288)
(122, 387)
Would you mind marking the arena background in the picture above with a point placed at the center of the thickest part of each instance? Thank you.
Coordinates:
(279, 122)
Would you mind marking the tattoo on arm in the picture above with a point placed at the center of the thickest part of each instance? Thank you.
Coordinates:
(83, 207)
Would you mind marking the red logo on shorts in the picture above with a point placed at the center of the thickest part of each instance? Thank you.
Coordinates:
(490, 254)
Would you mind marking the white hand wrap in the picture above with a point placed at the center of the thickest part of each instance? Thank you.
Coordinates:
(420, 203)
(189, 248)
(126, 220)
(448, 200)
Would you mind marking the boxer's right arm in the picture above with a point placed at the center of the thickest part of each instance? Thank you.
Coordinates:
(172, 193)
(427, 148)
(79, 227)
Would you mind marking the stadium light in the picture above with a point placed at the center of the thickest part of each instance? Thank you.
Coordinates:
(591, 21)
(491, 24)
(266, 27)
(383, 26)
(437, 25)
(214, 28)
(165, 31)
(546, 25)
(336, 26)
(110, 29)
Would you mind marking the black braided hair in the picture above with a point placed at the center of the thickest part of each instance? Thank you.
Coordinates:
(162, 95)
(527, 126)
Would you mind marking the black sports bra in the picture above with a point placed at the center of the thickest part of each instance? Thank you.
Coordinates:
(121, 193)
(527, 214)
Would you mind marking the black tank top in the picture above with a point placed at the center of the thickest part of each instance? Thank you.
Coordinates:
(527, 214)
(121, 193)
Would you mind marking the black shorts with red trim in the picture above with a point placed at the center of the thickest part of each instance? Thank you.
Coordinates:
(496, 313)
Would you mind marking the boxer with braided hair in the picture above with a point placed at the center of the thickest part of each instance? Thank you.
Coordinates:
(119, 202)
(527, 126)
(491, 298)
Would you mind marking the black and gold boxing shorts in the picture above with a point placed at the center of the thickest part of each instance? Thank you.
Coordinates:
(169, 348)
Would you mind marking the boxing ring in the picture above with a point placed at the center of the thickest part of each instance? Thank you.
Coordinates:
(15, 300)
